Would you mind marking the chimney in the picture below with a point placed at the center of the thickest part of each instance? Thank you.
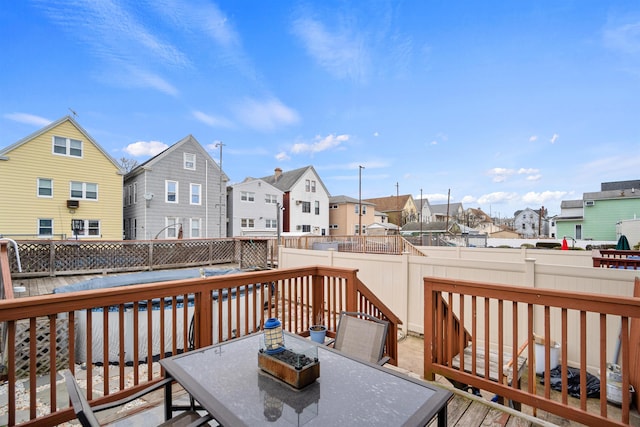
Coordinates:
(278, 172)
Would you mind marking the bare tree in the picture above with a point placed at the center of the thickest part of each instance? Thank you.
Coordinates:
(128, 164)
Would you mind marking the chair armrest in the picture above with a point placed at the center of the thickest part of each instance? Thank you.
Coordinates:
(330, 342)
(132, 397)
(384, 360)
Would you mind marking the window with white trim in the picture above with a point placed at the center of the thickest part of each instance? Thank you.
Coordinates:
(135, 193)
(195, 228)
(67, 147)
(171, 230)
(270, 223)
(171, 191)
(84, 190)
(247, 223)
(85, 227)
(45, 187)
(307, 185)
(317, 207)
(306, 228)
(306, 207)
(313, 186)
(271, 198)
(129, 195)
(45, 227)
(196, 190)
(247, 196)
(189, 161)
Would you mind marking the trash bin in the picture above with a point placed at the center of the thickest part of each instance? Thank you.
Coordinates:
(554, 355)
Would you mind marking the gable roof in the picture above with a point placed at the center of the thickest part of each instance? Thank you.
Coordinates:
(442, 208)
(390, 203)
(341, 200)
(285, 181)
(155, 159)
(52, 125)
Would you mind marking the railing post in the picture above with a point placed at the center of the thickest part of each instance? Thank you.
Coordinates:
(352, 292)
(428, 332)
(204, 312)
(317, 299)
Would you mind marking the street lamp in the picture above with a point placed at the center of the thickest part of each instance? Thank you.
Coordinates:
(360, 200)
(220, 145)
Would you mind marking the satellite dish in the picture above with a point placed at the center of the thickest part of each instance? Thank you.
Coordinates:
(148, 196)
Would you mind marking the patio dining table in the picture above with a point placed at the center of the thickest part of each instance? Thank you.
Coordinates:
(226, 380)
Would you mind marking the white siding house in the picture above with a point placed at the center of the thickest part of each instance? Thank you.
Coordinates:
(254, 208)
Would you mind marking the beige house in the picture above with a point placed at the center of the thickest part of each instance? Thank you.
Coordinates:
(400, 209)
(344, 218)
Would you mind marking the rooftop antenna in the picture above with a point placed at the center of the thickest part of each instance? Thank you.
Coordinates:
(73, 112)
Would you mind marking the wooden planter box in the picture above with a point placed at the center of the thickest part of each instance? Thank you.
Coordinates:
(297, 378)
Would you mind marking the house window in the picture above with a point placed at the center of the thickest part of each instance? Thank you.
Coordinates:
(364, 210)
(247, 196)
(67, 146)
(135, 192)
(45, 187)
(135, 228)
(195, 194)
(171, 191)
(578, 231)
(306, 207)
(45, 227)
(333, 226)
(195, 228)
(313, 186)
(355, 229)
(307, 185)
(306, 228)
(356, 209)
(247, 223)
(84, 190)
(317, 207)
(85, 227)
(130, 194)
(271, 223)
(189, 161)
(171, 230)
(271, 198)
(333, 207)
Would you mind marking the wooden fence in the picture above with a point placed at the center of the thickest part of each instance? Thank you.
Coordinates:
(612, 258)
(109, 329)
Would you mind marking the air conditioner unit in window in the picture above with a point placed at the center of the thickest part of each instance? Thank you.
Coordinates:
(298, 227)
(589, 202)
(73, 204)
(298, 202)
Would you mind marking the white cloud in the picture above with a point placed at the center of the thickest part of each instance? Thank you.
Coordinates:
(142, 78)
(145, 148)
(338, 51)
(554, 138)
(319, 144)
(435, 198)
(497, 197)
(624, 38)
(529, 171)
(536, 177)
(500, 174)
(468, 200)
(533, 138)
(282, 156)
(28, 119)
(265, 115)
(210, 120)
(542, 198)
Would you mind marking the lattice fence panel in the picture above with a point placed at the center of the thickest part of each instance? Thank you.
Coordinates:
(223, 251)
(34, 257)
(23, 354)
(252, 253)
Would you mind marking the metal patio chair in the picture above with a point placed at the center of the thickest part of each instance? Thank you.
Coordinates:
(362, 336)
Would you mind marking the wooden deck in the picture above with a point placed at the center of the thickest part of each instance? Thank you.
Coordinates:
(463, 410)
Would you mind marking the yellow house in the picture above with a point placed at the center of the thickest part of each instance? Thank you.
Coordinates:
(58, 183)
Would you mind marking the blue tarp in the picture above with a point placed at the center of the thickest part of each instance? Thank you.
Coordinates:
(142, 277)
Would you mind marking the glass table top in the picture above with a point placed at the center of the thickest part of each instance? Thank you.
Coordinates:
(227, 379)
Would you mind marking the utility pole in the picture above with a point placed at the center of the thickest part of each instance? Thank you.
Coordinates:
(360, 200)
(222, 196)
(420, 215)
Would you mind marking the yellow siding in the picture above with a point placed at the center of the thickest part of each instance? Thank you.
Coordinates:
(21, 207)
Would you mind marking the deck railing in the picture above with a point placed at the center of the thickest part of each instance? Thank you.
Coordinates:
(613, 258)
(107, 330)
(501, 319)
(390, 245)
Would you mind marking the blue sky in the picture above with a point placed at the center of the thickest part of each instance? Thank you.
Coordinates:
(507, 104)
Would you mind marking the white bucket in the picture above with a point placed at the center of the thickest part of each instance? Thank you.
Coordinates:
(554, 357)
